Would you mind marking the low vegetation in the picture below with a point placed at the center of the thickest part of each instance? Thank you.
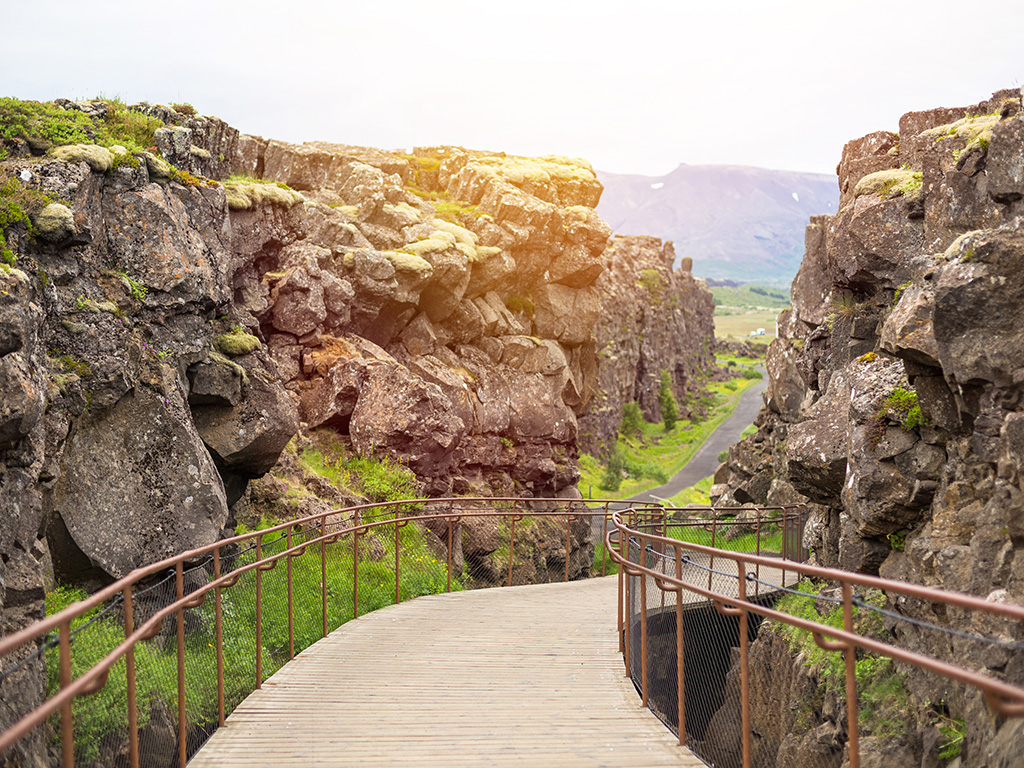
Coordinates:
(646, 454)
(884, 699)
(99, 719)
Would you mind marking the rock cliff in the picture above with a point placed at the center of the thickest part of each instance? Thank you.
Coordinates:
(896, 385)
(180, 300)
(655, 317)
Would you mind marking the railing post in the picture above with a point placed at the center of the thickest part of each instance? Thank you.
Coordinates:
(744, 663)
(259, 612)
(291, 614)
(627, 603)
(711, 563)
(67, 728)
(218, 630)
(450, 526)
(757, 568)
(568, 523)
(680, 660)
(511, 545)
(604, 536)
(323, 576)
(852, 704)
(179, 576)
(643, 626)
(355, 566)
(398, 565)
(129, 659)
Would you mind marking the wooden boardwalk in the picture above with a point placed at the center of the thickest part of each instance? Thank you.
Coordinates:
(520, 676)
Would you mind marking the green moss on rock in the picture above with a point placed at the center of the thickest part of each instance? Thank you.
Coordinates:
(100, 159)
(890, 183)
(236, 342)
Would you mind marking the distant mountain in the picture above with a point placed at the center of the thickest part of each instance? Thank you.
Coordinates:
(736, 222)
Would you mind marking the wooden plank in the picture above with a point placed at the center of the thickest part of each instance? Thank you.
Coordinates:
(520, 676)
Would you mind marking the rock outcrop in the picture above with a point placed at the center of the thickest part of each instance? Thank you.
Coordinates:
(654, 318)
(896, 384)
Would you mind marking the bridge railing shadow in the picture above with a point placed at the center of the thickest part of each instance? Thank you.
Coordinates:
(143, 671)
(695, 587)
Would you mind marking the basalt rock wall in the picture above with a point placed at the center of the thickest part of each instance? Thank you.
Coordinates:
(897, 387)
(654, 318)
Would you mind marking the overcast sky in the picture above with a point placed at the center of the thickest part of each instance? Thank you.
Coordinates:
(635, 87)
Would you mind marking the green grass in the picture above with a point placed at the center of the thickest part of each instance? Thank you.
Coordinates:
(750, 296)
(104, 714)
(771, 540)
(656, 453)
(697, 493)
(884, 699)
(45, 125)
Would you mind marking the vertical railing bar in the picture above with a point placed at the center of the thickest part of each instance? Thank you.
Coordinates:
(259, 612)
(67, 728)
(643, 626)
(511, 546)
(218, 631)
(355, 566)
(757, 567)
(604, 536)
(744, 663)
(398, 565)
(323, 576)
(129, 659)
(711, 564)
(179, 574)
(852, 704)
(680, 660)
(568, 522)
(627, 604)
(291, 602)
(450, 526)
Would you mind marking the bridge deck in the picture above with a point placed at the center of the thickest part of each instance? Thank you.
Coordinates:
(520, 676)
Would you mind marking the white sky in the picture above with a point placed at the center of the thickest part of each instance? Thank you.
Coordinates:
(634, 87)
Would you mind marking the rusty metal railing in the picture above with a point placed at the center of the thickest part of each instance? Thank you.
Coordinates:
(645, 551)
(361, 530)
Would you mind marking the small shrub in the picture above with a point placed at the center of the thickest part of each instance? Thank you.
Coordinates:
(723, 456)
(614, 471)
(632, 418)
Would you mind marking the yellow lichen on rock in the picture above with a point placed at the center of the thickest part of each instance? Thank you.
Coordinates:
(244, 194)
(438, 241)
(976, 131)
(407, 262)
(889, 183)
(100, 159)
(461, 234)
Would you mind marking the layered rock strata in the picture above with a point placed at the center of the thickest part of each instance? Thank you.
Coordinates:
(896, 384)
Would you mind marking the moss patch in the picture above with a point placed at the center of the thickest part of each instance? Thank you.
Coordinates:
(243, 193)
(889, 184)
(236, 342)
(408, 262)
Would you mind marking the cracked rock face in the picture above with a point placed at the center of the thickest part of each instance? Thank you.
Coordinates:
(905, 330)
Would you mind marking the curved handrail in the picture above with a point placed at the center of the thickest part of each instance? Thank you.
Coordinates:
(1005, 698)
(358, 521)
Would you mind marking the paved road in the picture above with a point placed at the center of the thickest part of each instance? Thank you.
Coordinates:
(706, 460)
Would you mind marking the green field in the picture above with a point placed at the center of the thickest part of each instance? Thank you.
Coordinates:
(739, 326)
(655, 455)
(750, 296)
(742, 310)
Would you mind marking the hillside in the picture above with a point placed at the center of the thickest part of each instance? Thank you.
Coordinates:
(735, 222)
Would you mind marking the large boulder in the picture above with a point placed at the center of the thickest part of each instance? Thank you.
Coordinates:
(137, 484)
